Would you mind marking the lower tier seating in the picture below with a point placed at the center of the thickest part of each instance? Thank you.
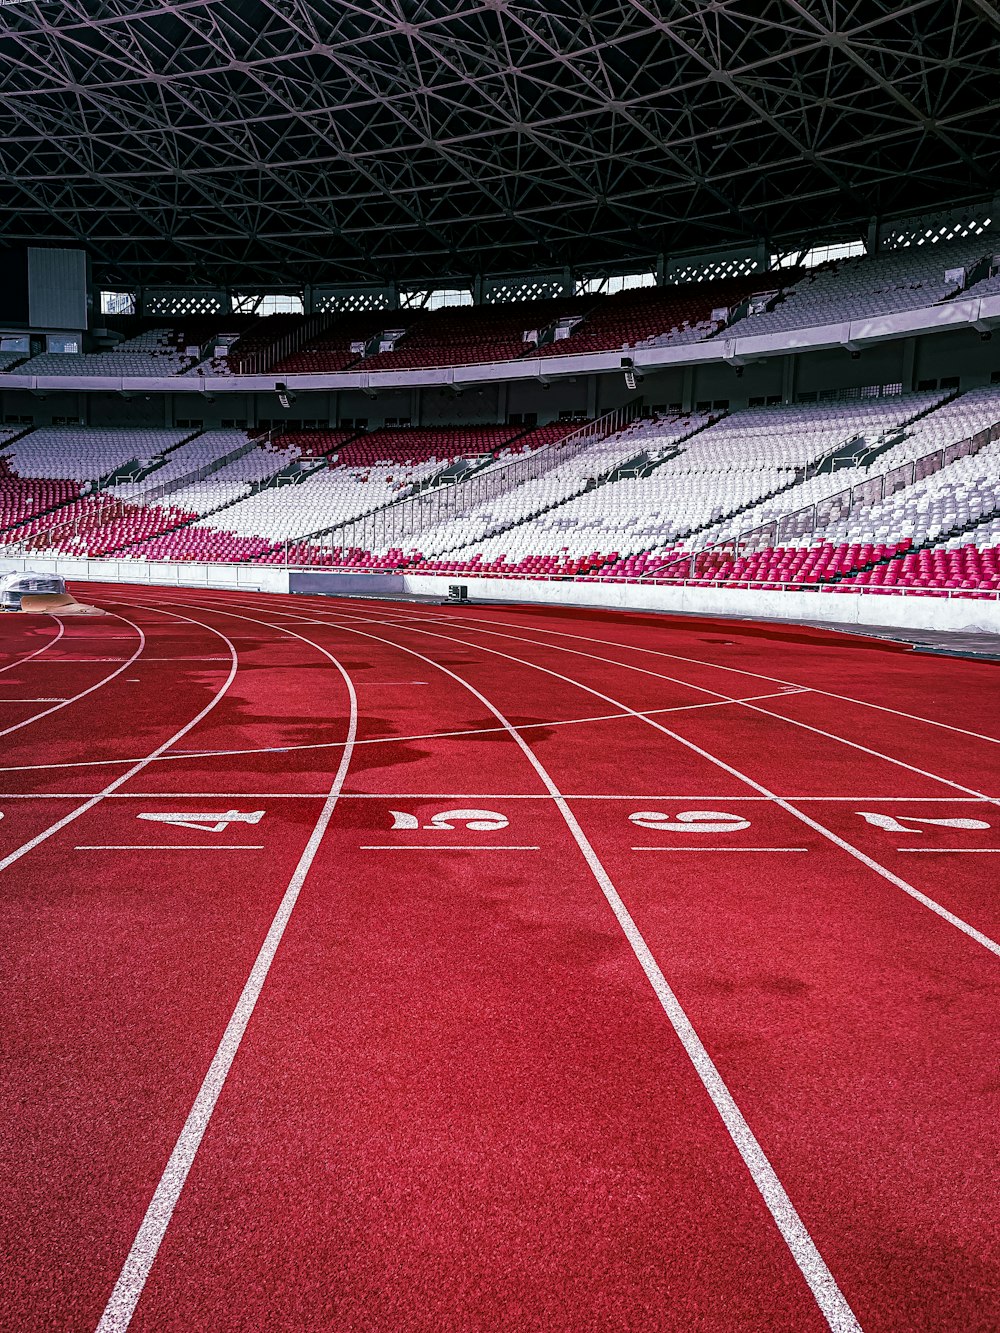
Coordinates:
(896, 493)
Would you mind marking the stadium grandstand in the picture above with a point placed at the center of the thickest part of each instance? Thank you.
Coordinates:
(500, 581)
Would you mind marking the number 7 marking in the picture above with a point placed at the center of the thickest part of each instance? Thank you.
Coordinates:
(892, 825)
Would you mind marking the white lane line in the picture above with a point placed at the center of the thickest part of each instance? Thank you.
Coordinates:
(50, 699)
(135, 1271)
(65, 703)
(935, 851)
(828, 1296)
(20, 661)
(366, 683)
(747, 703)
(718, 666)
(60, 660)
(375, 740)
(139, 765)
(166, 847)
(443, 847)
(720, 849)
(467, 796)
(937, 908)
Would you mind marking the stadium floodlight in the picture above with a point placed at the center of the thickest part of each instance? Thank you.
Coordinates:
(632, 377)
(285, 395)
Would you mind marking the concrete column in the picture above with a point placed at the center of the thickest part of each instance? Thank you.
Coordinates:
(502, 396)
(687, 389)
(789, 365)
(909, 363)
(593, 389)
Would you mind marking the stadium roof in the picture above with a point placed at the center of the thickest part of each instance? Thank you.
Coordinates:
(290, 141)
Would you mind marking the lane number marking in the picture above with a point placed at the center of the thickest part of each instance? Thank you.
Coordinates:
(690, 821)
(477, 821)
(893, 825)
(215, 822)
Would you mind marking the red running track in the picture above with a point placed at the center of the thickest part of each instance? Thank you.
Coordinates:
(683, 1019)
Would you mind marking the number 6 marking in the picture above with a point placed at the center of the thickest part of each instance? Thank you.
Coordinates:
(691, 821)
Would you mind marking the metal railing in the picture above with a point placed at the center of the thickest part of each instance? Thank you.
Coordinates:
(387, 527)
(259, 360)
(197, 474)
(807, 525)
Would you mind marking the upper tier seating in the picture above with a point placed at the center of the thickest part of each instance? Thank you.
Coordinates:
(988, 286)
(850, 289)
(257, 340)
(331, 350)
(658, 316)
(157, 352)
(470, 335)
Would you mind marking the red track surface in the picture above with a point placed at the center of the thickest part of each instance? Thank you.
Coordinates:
(574, 1073)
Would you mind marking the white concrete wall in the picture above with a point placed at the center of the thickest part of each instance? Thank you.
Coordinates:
(936, 613)
(855, 608)
(251, 578)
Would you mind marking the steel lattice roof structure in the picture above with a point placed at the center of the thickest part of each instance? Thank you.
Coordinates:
(291, 141)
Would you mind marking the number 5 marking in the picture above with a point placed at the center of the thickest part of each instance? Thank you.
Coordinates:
(479, 821)
(691, 821)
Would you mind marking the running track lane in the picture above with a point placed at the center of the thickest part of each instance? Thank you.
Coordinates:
(296, 607)
(121, 971)
(39, 685)
(478, 1115)
(903, 1007)
(28, 637)
(829, 765)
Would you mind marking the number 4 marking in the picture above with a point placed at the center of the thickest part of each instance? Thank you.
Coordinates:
(892, 825)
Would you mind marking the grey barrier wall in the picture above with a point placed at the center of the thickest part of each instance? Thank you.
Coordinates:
(347, 585)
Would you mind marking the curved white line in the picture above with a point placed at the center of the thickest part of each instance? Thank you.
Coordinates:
(375, 740)
(141, 763)
(26, 722)
(135, 1271)
(702, 689)
(26, 657)
(937, 908)
(740, 671)
(838, 1314)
